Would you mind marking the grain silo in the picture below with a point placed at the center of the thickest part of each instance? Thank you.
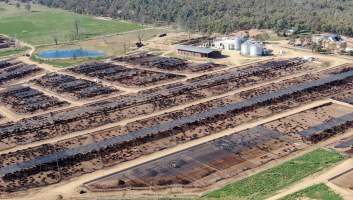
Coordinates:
(256, 49)
(237, 43)
(245, 48)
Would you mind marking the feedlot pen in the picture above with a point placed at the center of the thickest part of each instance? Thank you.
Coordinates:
(87, 119)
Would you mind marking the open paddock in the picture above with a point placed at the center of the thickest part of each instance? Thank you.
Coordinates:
(26, 100)
(44, 23)
(122, 75)
(178, 38)
(78, 89)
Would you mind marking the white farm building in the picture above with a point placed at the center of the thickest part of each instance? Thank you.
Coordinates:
(229, 43)
(245, 46)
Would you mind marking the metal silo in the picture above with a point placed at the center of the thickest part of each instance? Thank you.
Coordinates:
(256, 49)
(245, 48)
(237, 43)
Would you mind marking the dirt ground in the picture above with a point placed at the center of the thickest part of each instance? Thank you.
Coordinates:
(280, 48)
(344, 180)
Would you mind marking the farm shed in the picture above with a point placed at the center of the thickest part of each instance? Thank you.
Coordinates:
(198, 51)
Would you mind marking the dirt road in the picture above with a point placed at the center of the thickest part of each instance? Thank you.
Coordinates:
(8, 113)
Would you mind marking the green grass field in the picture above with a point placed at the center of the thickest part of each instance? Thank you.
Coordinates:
(10, 52)
(264, 184)
(42, 24)
(320, 191)
(111, 46)
(65, 63)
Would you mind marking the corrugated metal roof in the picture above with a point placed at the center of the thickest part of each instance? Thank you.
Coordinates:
(195, 49)
(345, 144)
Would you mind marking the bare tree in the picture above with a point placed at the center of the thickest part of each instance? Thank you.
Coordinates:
(125, 47)
(140, 35)
(55, 38)
(77, 29)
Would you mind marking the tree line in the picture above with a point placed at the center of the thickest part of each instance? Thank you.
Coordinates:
(224, 15)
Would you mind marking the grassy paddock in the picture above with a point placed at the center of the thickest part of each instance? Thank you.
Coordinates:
(264, 184)
(11, 52)
(320, 191)
(42, 24)
(65, 63)
(111, 45)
